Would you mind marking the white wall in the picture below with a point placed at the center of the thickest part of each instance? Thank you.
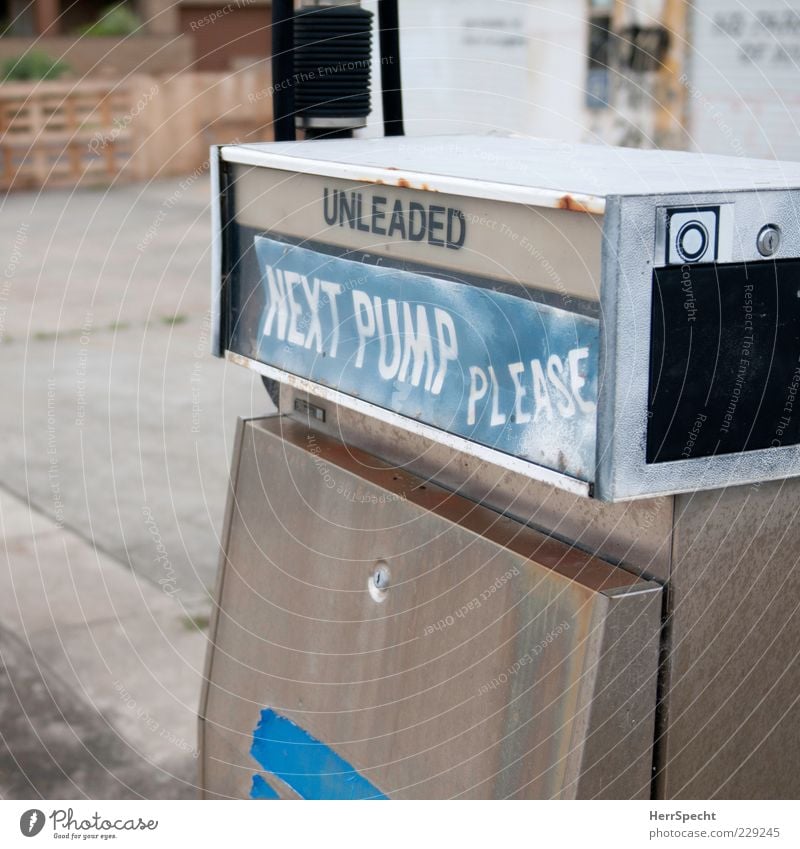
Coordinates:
(744, 77)
(474, 66)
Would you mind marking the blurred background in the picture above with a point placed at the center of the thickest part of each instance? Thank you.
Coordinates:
(98, 92)
(116, 424)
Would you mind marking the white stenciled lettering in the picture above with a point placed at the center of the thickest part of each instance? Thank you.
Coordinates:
(515, 370)
(539, 391)
(294, 305)
(577, 380)
(314, 335)
(295, 311)
(365, 322)
(478, 384)
(417, 345)
(277, 304)
(448, 346)
(388, 368)
(330, 292)
(413, 357)
(497, 418)
(555, 373)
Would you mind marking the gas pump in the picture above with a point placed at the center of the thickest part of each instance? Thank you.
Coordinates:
(523, 524)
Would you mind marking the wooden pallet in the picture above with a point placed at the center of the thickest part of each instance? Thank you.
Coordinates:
(69, 133)
(61, 134)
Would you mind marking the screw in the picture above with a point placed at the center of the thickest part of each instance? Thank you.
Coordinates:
(768, 240)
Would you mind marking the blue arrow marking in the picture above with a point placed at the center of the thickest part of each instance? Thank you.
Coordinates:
(312, 769)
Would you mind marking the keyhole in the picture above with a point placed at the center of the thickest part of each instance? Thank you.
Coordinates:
(378, 582)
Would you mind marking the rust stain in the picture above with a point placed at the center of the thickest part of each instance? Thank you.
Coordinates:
(402, 182)
(569, 202)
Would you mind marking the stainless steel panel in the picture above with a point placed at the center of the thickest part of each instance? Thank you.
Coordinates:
(544, 687)
(622, 410)
(555, 250)
(230, 505)
(634, 534)
(732, 697)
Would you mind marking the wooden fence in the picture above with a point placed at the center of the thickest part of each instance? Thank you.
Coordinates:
(69, 133)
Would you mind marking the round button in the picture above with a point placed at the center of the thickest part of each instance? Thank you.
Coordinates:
(692, 240)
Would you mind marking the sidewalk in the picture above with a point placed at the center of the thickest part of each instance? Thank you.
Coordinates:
(100, 671)
(117, 428)
(116, 420)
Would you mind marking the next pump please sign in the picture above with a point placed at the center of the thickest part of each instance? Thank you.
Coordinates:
(498, 369)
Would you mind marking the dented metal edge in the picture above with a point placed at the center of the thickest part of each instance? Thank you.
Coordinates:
(216, 252)
(489, 455)
(208, 661)
(610, 333)
(570, 563)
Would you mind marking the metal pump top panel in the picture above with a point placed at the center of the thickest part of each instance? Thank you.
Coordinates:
(620, 323)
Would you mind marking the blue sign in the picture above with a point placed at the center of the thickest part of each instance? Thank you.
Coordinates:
(507, 372)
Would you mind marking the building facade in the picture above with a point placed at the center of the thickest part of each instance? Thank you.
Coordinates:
(203, 35)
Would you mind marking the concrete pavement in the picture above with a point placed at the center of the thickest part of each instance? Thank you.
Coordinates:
(117, 431)
(99, 671)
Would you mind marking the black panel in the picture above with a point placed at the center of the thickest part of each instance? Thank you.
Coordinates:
(724, 359)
